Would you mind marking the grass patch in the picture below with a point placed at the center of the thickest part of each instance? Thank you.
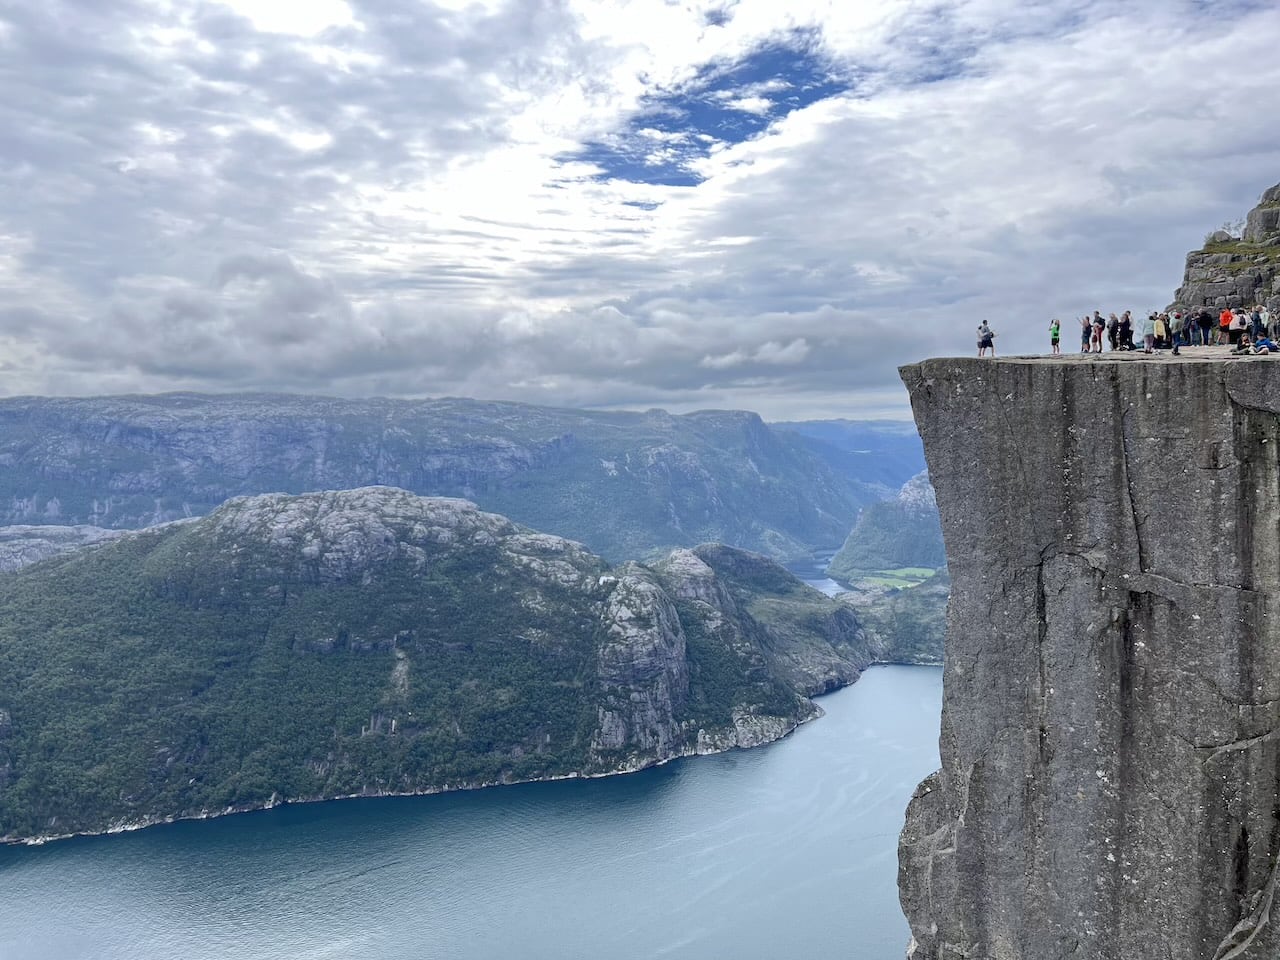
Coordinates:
(899, 578)
(1243, 249)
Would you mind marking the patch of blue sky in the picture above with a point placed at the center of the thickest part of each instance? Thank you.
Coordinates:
(717, 17)
(724, 103)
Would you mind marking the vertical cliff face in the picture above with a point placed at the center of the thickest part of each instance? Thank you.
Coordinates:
(1110, 782)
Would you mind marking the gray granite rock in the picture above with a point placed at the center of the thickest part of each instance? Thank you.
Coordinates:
(1263, 221)
(1231, 272)
(24, 544)
(1110, 781)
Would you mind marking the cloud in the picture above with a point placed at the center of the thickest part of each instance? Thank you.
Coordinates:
(772, 353)
(609, 203)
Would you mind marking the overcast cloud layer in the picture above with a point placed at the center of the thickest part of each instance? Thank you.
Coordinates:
(704, 204)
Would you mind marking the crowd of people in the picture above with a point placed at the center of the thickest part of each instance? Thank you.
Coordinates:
(1244, 330)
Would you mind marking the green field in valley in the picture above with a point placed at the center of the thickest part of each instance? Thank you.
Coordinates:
(900, 577)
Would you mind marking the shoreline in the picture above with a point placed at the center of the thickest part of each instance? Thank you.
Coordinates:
(271, 804)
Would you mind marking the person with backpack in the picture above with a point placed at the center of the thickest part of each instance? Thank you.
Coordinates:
(986, 339)
(1099, 325)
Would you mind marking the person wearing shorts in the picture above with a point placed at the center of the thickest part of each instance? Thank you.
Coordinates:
(1054, 330)
(986, 339)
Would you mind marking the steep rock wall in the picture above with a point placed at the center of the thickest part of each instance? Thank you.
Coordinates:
(1110, 782)
(1237, 271)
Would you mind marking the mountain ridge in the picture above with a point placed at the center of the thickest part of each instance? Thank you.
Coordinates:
(628, 484)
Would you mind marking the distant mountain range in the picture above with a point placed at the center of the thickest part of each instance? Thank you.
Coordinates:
(372, 641)
(628, 485)
(887, 453)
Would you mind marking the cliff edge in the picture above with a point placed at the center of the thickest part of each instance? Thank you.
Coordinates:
(1110, 782)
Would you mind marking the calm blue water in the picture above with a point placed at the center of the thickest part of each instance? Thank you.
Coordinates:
(780, 852)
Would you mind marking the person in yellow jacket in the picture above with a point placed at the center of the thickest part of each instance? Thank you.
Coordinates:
(1160, 327)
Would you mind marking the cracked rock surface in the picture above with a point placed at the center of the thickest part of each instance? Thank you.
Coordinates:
(1110, 781)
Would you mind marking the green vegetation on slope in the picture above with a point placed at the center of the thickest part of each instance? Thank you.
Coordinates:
(907, 624)
(197, 687)
(368, 642)
(890, 536)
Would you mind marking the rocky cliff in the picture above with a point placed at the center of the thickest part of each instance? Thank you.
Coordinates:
(371, 641)
(629, 485)
(1110, 781)
(1241, 271)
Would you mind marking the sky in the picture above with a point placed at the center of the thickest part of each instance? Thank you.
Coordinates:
(689, 205)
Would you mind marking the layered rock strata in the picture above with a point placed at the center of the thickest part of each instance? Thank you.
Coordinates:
(1110, 782)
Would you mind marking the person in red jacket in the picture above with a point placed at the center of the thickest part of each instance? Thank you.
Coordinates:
(1224, 325)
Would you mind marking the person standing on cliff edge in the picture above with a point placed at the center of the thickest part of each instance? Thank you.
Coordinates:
(1055, 329)
(986, 339)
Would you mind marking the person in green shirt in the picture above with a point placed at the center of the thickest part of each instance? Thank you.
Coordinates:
(1054, 329)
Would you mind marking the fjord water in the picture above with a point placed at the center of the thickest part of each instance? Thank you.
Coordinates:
(784, 851)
